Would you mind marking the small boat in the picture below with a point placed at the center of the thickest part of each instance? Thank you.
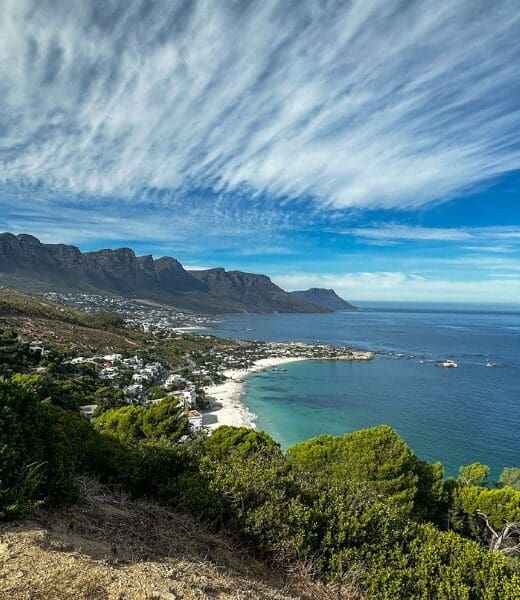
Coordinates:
(449, 364)
(491, 365)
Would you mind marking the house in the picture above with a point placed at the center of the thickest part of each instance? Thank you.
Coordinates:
(173, 379)
(133, 390)
(37, 346)
(112, 358)
(141, 377)
(78, 360)
(108, 373)
(88, 410)
(195, 419)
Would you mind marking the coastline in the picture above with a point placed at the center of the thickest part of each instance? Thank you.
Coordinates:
(227, 407)
(226, 398)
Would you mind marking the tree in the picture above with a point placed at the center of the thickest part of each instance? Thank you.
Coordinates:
(34, 463)
(474, 474)
(107, 397)
(125, 424)
(510, 476)
(505, 540)
(165, 420)
(228, 440)
(376, 456)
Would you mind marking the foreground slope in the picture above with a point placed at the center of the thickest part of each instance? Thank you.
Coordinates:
(110, 547)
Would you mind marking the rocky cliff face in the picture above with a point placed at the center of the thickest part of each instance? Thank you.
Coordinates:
(327, 298)
(249, 289)
(28, 264)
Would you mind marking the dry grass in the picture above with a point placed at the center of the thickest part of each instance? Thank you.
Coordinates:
(110, 547)
(35, 317)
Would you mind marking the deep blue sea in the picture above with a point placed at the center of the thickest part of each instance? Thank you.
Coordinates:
(457, 416)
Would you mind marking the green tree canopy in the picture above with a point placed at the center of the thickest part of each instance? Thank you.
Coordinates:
(510, 476)
(474, 474)
(376, 456)
(33, 463)
(123, 423)
(163, 420)
(227, 440)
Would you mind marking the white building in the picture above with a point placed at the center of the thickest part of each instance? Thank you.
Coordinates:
(133, 390)
(88, 410)
(173, 379)
(195, 419)
(108, 373)
(141, 377)
(112, 358)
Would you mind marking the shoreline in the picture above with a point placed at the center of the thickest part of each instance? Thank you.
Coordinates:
(227, 407)
(226, 398)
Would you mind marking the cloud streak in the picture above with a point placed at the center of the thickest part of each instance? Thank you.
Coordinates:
(358, 104)
(507, 237)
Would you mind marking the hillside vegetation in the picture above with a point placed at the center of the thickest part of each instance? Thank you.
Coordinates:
(106, 546)
(359, 514)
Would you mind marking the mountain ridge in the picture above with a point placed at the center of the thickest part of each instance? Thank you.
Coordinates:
(27, 263)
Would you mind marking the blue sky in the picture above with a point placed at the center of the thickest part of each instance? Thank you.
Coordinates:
(368, 146)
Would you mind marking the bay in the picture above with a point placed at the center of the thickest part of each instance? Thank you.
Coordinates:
(458, 416)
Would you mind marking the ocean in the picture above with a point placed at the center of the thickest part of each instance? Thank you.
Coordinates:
(457, 416)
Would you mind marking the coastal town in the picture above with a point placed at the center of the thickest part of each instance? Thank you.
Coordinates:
(208, 386)
(206, 381)
(150, 317)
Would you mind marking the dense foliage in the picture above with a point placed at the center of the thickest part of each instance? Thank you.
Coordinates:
(360, 507)
(161, 421)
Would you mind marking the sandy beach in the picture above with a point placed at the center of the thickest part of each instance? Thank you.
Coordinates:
(226, 398)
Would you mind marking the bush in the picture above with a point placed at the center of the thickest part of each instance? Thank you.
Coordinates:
(353, 506)
(129, 424)
(34, 464)
(380, 459)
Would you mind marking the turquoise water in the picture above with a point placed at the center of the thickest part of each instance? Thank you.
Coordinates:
(454, 415)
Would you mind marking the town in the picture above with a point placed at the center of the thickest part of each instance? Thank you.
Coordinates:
(131, 378)
(157, 319)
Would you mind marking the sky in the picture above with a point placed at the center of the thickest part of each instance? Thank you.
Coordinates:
(364, 145)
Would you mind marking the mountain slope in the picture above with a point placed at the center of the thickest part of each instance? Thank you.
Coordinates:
(28, 264)
(241, 288)
(326, 298)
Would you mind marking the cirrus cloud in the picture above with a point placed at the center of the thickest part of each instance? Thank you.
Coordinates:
(365, 103)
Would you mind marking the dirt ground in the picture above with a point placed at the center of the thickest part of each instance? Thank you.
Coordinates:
(110, 547)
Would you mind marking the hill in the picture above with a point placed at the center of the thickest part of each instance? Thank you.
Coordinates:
(107, 546)
(185, 514)
(326, 298)
(30, 265)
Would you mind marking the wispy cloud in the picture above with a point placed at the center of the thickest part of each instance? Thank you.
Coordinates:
(394, 232)
(406, 232)
(366, 103)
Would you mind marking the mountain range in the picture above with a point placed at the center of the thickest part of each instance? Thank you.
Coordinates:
(28, 264)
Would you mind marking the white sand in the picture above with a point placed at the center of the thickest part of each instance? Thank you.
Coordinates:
(227, 406)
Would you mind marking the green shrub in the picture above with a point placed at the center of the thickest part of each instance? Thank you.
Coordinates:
(380, 459)
(34, 464)
(129, 424)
